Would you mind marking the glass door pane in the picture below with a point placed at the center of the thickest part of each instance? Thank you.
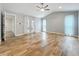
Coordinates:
(69, 25)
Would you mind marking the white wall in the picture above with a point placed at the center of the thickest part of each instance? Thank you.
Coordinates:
(0, 24)
(13, 24)
(38, 25)
(31, 24)
(78, 23)
(55, 22)
(23, 24)
(28, 26)
(0, 21)
(8, 23)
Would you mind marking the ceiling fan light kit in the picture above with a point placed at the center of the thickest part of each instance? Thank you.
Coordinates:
(42, 10)
(43, 7)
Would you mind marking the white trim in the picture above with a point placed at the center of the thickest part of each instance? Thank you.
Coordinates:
(4, 26)
(7, 13)
(19, 34)
(27, 33)
(63, 34)
(15, 24)
(0, 26)
(23, 34)
(57, 33)
(25, 19)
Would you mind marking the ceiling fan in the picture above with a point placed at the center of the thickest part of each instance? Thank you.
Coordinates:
(43, 7)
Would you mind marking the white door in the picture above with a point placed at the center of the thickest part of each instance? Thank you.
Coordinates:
(19, 25)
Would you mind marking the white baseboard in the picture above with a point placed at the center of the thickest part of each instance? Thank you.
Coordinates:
(26, 33)
(48, 32)
(56, 33)
(19, 34)
(62, 34)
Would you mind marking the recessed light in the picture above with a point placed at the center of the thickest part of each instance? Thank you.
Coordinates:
(60, 7)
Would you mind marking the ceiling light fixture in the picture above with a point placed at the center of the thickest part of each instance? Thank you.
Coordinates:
(42, 9)
(60, 7)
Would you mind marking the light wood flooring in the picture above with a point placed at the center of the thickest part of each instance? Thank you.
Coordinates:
(40, 44)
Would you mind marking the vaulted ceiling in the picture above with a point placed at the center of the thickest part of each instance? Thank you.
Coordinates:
(32, 10)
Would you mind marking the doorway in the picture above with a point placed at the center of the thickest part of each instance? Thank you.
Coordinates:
(9, 25)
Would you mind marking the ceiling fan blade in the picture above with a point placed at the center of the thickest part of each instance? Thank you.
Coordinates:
(38, 7)
(42, 3)
(47, 9)
(46, 6)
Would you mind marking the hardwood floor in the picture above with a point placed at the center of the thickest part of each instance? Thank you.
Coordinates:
(40, 44)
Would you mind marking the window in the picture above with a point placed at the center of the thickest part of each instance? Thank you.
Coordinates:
(44, 25)
(69, 25)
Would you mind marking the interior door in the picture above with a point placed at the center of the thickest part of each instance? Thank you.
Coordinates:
(19, 25)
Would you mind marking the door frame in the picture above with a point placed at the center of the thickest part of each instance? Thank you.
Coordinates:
(5, 14)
